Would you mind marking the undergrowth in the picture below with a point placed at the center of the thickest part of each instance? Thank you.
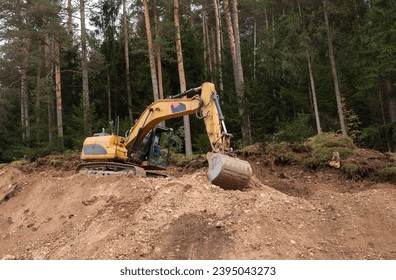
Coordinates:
(324, 145)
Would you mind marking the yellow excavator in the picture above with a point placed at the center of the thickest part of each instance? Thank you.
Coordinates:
(146, 146)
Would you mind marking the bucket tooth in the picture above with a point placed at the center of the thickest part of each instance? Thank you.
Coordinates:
(228, 172)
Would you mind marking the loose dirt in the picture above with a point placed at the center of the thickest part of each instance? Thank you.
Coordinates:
(47, 211)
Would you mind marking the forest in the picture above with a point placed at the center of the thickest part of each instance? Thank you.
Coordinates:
(285, 70)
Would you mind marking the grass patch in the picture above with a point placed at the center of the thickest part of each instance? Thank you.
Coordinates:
(388, 173)
(392, 156)
(355, 171)
(183, 160)
(330, 140)
(282, 153)
(20, 162)
(324, 145)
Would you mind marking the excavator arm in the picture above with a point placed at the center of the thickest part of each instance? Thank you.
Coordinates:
(205, 105)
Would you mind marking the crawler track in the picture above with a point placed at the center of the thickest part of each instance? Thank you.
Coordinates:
(109, 168)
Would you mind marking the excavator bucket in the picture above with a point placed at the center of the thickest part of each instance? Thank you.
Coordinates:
(228, 172)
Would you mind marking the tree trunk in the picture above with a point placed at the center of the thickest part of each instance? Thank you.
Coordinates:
(218, 45)
(312, 81)
(158, 50)
(48, 88)
(59, 118)
(84, 66)
(335, 76)
(126, 53)
(254, 48)
(207, 46)
(109, 97)
(213, 50)
(69, 16)
(182, 78)
(39, 89)
(266, 19)
(233, 35)
(383, 117)
(204, 44)
(25, 91)
(392, 110)
(313, 90)
(153, 72)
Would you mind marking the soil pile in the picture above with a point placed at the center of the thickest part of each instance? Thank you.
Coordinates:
(47, 211)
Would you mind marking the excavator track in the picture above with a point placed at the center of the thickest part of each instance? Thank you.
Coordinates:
(110, 168)
(228, 172)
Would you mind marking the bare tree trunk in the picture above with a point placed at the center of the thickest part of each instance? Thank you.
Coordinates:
(48, 88)
(213, 47)
(208, 51)
(392, 100)
(126, 53)
(312, 82)
(39, 89)
(69, 16)
(205, 44)
(84, 66)
(235, 24)
(50, 114)
(153, 71)
(254, 48)
(218, 44)
(109, 113)
(383, 117)
(233, 35)
(313, 90)
(231, 39)
(266, 19)
(334, 71)
(273, 30)
(25, 91)
(392, 109)
(59, 118)
(158, 50)
(182, 78)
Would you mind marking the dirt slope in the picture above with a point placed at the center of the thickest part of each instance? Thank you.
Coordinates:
(49, 212)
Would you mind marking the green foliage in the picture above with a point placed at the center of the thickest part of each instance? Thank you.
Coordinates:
(354, 171)
(277, 93)
(323, 146)
(297, 131)
(179, 159)
(359, 171)
(321, 156)
(389, 173)
(378, 137)
(283, 153)
(31, 154)
(178, 141)
(353, 124)
(330, 140)
(201, 143)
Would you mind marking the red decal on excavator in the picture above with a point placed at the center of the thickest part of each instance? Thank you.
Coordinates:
(177, 107)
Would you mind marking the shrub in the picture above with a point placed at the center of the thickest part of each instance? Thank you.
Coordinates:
(297, 131)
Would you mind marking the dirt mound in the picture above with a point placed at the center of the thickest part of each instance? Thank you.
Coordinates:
(47, 211)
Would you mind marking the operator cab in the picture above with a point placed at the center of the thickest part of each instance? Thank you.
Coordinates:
(155, 148)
